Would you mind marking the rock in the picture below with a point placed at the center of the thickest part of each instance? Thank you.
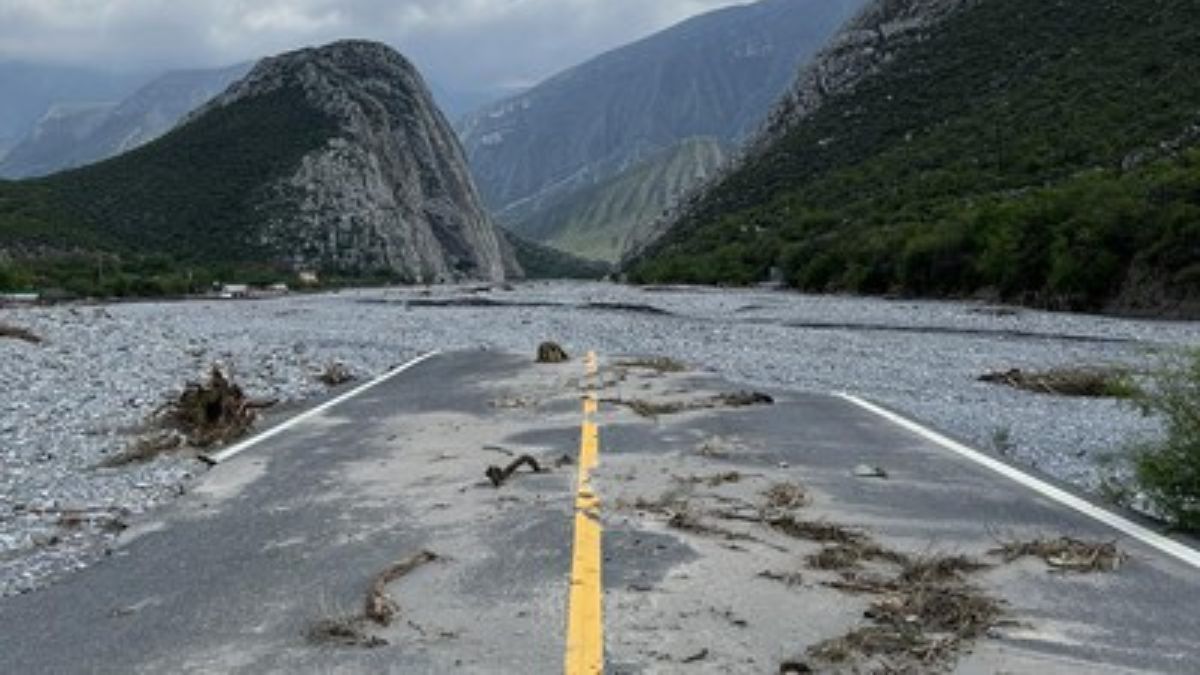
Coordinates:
(391, 189)
(868, 471)
(552, 352)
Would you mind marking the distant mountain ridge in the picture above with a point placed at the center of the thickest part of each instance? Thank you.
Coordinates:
(714, 76)
(69, 139)
(28, 91)
(1033, 152)
(332, 159)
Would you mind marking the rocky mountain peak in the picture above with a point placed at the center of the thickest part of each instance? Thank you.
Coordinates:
(390, 190)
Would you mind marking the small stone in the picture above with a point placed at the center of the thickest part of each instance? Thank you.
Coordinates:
(868, 471)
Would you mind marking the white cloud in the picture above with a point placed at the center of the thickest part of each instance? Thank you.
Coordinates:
(462, 43)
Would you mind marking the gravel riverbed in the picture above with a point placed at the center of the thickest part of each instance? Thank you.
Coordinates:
(82, 394)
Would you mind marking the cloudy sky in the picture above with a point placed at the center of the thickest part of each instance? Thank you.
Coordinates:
(461, 44)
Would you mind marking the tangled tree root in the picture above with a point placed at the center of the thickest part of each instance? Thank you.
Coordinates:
(212, 412)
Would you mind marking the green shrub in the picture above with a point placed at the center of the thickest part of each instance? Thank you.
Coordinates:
(1169, 470)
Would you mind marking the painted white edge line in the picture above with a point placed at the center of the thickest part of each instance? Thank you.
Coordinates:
(1167, 545)
(237, 449)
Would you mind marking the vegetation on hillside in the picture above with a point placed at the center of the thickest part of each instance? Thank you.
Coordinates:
(165, 217)
(1040, 152)
(543, 262)
(596, 222)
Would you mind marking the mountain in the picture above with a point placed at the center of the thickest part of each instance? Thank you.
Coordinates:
(332, 159)
(1039, 152)
(598, 221)
(69, 138)
(29, 91)
(714, 77)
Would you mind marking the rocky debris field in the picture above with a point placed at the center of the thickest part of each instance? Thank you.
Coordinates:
(83, 392)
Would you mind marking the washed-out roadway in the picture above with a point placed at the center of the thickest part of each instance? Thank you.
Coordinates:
(292, 530)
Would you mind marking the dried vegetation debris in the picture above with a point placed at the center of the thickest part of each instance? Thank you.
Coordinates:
(205, 414)
(17, 333)
(1087, 382)
(658, 364)
(654, 409)
(1067, 554)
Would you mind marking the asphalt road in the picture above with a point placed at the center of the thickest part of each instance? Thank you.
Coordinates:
(689, 573)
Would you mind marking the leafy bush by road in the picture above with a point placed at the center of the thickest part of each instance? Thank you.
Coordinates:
(1169, 471)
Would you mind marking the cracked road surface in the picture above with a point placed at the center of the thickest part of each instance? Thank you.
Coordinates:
(660, 545)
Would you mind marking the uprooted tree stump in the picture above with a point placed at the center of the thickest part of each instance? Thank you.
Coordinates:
(552, 352)
(212, 412)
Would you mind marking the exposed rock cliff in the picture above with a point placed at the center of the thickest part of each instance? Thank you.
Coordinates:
(390, 190)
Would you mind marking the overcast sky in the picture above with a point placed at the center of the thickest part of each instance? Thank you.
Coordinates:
(461, 44)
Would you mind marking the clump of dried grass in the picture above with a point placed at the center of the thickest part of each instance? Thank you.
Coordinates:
(18, 333)
(1067, 554)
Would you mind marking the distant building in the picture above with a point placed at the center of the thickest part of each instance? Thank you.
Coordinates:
(308, 278)
(235, 291)
(19, 298)
(281, 289)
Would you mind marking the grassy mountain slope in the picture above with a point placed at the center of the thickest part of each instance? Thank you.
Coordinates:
(1042, 151)
(596, 222)
(190, 197)
(542, 262)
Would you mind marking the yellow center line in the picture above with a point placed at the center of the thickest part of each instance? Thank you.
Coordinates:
(585, 611)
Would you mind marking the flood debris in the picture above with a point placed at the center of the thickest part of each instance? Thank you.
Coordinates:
(658, 364)
(344, 632)
(17, 333)
(379, 610)
(1080, 382)
(655, 409)
(785, 497)
(336, 374)
(714, 480)
(212, 412)
(145, 449)
(742, 399)
(552, 352)
(499, 476)
(819, 531)
(1066, 554)
(380, 607)
(926, 615)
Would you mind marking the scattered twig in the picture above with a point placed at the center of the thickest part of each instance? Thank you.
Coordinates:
(1066, 554)
(498, 476)
(379, 607)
